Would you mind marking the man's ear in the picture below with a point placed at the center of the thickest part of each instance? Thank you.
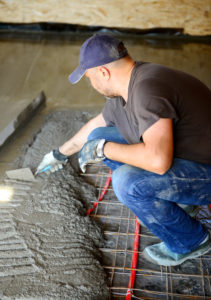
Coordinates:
(105, 72)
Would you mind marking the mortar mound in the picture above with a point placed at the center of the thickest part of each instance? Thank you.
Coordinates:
(48, 247)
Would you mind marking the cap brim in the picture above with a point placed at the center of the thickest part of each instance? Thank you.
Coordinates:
(76, 75)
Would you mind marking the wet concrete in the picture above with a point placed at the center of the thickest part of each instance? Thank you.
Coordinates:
(48, 247)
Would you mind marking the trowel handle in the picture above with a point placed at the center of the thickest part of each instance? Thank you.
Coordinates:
(44, 170)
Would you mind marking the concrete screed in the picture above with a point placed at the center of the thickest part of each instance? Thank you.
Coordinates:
(48, 247)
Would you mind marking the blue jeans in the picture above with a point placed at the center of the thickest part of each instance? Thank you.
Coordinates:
(153, 198)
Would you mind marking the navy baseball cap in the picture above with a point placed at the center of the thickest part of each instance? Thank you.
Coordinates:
(98, 50)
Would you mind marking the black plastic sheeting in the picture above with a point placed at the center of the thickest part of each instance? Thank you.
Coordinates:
(70, 29)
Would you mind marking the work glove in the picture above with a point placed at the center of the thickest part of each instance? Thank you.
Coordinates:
(52, 161)
(92, 152)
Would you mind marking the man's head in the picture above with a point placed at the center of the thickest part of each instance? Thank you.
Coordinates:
(98, 50)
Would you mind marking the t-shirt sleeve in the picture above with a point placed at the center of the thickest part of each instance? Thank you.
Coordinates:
(152, 101)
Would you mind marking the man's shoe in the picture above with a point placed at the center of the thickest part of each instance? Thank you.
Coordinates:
(159, 254)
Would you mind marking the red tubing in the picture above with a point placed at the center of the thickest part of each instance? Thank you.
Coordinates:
(104, 191)
(134, 262)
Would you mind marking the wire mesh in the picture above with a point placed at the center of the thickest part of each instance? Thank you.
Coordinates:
(190, 280)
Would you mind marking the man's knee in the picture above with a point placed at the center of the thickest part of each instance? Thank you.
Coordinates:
(97, 133)
(128, 183)
(134, 183)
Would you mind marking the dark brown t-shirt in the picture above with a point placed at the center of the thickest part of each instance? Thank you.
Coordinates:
(157, 91)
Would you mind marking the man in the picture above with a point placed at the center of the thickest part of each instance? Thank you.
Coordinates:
(155, 134)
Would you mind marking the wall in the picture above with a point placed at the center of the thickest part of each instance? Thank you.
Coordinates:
(194, 16)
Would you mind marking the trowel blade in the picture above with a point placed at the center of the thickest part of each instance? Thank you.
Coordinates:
(24, 174)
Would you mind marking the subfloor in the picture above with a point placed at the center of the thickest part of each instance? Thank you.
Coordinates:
(29, 64)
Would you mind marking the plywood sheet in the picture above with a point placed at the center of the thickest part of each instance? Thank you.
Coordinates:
(194, 16)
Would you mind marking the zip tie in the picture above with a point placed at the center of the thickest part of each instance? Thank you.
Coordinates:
(104, 191)
(134, 262)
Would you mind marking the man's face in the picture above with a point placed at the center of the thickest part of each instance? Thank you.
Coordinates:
(99, 83)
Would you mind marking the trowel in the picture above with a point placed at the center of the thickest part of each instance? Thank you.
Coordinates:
(24, 174)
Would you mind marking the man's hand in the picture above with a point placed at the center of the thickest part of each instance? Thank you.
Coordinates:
(52, 161)
(92, 152)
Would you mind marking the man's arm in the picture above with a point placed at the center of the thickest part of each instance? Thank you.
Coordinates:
(79, 139)
(55, 159)
(155, 154)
